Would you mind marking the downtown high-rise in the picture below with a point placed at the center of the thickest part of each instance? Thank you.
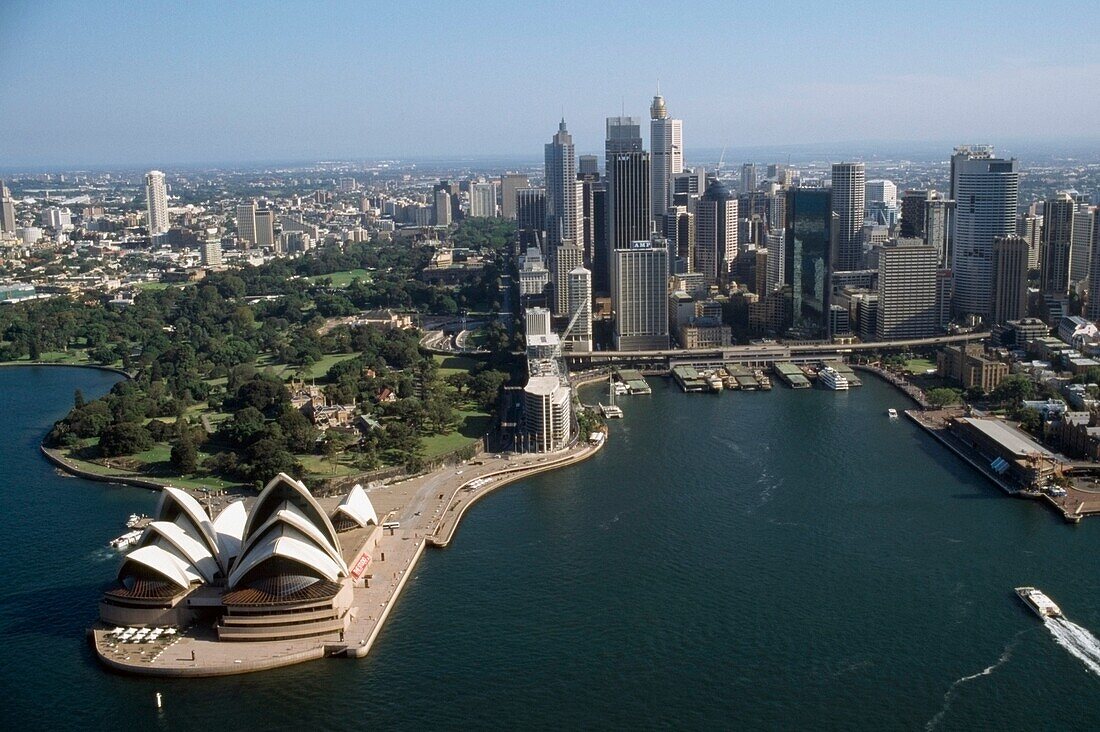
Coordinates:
(986, 192)
(561, 190)
(666, 156)
(156, 203)
(849, 204)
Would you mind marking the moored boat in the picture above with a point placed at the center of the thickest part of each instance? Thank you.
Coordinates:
(830, 378)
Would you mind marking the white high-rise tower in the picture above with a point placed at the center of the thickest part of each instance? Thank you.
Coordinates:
(666, 156)
(156, 202)
(561, 190)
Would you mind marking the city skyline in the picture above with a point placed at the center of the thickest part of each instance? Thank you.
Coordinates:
(332, 91)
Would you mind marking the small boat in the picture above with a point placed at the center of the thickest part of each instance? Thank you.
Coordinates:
(892, 413)
(1039, 603)
(134, 520)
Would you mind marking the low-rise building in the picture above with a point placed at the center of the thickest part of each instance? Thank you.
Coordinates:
(968, 365)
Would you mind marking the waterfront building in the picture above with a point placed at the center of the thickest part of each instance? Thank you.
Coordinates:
(628, 190)
(667, 156)
(547, 412)
(907, 284)
(986, 191)
(1010, 268)
(156, 203)
(715, 232)
(639, 296)
(561, 191)
(808, 254)
(848, 201)
(246, 223)
(483, 200)
(7, 210)
(968, 365)
(509, 184)
(578, 334)
(1058, 213)
(567, 258)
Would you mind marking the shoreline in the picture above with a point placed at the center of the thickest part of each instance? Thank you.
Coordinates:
(96, 366)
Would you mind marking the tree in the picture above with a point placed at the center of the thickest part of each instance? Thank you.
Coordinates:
(243, 428)
(78, 399)
(1030, 420)
(941, 397)
(185, 456)
(124, 438)
(1014, 389)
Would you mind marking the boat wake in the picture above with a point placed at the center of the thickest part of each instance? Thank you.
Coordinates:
(953, 690)
(1078, 641)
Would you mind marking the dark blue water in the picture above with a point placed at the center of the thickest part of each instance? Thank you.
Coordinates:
(769, 561)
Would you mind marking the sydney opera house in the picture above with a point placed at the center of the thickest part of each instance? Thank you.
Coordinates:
(273, 572)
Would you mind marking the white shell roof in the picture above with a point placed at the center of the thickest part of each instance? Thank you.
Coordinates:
(357, 506)
(287, 546)
(188, 547)
(289, 516)
(229, 528)
(161, 561)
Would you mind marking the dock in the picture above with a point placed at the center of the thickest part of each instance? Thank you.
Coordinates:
(689, 379)
(791, 375)
(844, 370)
(635, 382)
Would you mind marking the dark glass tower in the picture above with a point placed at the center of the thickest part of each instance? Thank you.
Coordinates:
(808, 256)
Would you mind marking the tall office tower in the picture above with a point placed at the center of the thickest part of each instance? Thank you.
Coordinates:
(808, 256)
(156, 202)
(907, 283)
(667, 155)
(627, 176)
(536, 322)
(56, 218)
(985, 191)
(715, 232)
(509, 184)
(530, 216)
(547, 413)
(483, 200)
(587, 183)
(211, 252)
(588, 165)
(639, 295)
(1081, 249)
(748, 177)
(568, 257)
(246, 222)
(441, 208)
(1030, 227)
(689, 185)
(776, 258)
(777, 210)
(600, 256)
(1057, 243)
(849, 191)
(265, 228)
(913, 205)
(939, 215)
(7, 211)
(881, 190)
(561, 190)
(579, 289)
(1093, 311)
(1010, 254)
(680, 231)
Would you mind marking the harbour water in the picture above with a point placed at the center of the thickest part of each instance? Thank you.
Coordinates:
(790, 559)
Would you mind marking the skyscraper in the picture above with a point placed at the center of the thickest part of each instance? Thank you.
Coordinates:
(441, 208)
(1081, 251)
(579, 288)
(848, 201)
(156, 203)
(748, 177)
(509, 184)
(483, 200)
(907, 285)
(588, 165)
(715, 232)
(1030, 227)
(265, 227)
(246, 222)
(985, 190)
(530, 216)
(667, 155)
(808, 255)
(1093, 311)
(7, 211)
(639, 295)
(561, 190)
(1010, 255)
(211, 252)
(568, 256)
(881, 190)
(1058, 215)
(628, 191)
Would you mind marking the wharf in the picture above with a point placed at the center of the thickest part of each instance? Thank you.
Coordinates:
(844, 370)
(791, 375)
(689, 379)
(635, 382)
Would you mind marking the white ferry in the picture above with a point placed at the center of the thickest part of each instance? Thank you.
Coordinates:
(127, 540)
(830, 378)
(892, 413)
(1039, 603)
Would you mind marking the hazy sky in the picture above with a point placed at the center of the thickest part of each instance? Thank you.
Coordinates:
(155, 83)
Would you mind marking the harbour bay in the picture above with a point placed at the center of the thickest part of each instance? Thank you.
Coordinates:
(779, 560)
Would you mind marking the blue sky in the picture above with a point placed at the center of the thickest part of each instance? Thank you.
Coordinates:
(155, 83)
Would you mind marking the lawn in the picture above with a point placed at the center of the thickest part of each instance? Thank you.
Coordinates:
(472, 424)
(75, 357)
(343, 278)
(455, 364)
(919, 365)
(316, 371)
